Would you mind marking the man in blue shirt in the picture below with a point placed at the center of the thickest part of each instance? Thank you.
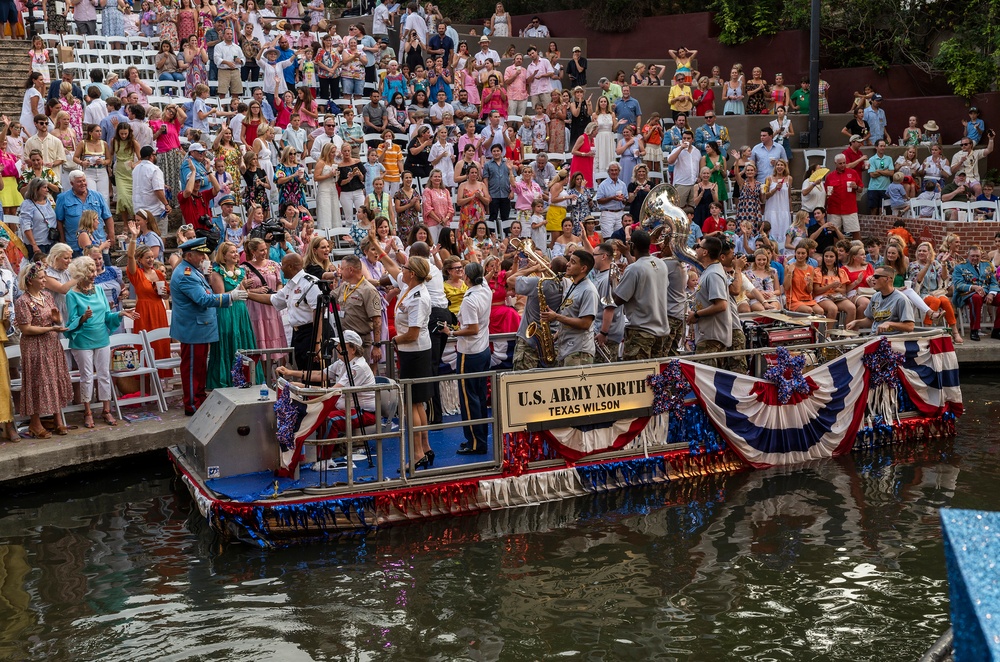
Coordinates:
(611, 196)
(880, 171)
(441, 45)
(499, 177)
(71, 204)
(286, 53)
(213, 36)
(115, 116)
(765, 154)
(67, 77)
(265, 107)
(627, 108)
(875, 118)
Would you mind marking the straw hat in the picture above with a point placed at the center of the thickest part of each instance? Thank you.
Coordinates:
(931, 126)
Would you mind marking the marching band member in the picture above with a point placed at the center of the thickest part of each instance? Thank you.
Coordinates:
(642, 292)
(609, 327)
(576, 313)
(677, 308)
(525, 284)
(711, 314)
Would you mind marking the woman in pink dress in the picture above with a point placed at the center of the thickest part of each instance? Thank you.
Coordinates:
(266, 320)
(583, 154)
(187, 21)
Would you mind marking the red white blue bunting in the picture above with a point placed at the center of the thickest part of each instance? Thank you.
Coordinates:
(930, 375)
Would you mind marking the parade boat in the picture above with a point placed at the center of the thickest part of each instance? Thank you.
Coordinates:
(558, 433)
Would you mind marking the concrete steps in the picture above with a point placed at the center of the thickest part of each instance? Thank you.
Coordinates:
(13, 75)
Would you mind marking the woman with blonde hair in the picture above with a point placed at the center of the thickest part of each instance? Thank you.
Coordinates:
(639, 76)
(235, 329)
(413, 345)
(316, 260)
(262, 148)
(89, 327)
(47, 387)
(930, 279)
(325, 172)
(67, 136)
(264, 275)
(72, 107)
(93, 155)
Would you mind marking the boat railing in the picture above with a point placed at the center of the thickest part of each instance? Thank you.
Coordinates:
(402, 393)
(354, 437)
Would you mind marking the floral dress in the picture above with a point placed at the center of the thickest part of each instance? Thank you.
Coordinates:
(470, 214)
(757, 101)
(112, 21)
(232, 160)
(582, 204)
(748, 207)
(292, 191)
(168, 28)
(408, 218)
(75, 112)
(195, 73)
(47, 388)
(557, 127)
(257, 194)
(187, 24)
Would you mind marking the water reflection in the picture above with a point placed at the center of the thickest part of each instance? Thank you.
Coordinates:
(836, 560)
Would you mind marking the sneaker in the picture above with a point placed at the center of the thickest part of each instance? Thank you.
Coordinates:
(974, 335)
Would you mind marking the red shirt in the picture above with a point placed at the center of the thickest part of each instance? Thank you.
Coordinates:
(842, 202)
(710, 225)
(853, 156)
(196, 206)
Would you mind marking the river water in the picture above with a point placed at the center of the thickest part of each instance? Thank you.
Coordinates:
(838, 560)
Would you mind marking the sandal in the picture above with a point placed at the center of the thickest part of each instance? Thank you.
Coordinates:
(10, 431)
(62, 431)
(88, 421)
(109, 418)
(39, 434)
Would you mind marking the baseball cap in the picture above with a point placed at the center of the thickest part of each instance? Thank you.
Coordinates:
(351, 338)
(196, 147)
(877, 97)
(577, 49)
(857, 139)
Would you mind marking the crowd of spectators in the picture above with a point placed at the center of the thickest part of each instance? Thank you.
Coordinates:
(386, 167)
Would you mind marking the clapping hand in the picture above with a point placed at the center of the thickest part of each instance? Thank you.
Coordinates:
(132, 314)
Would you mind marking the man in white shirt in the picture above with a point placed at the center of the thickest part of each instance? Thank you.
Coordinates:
(486, 53)
(686, 160)
(148, 189)
(381, 20)
(329, 135)
(967, 160)
(473, 336)
(536, 30)
(96, 110)
(413, 22)
(440, 109)
(228, 60)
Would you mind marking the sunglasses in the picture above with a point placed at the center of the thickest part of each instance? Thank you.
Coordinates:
(877, 276)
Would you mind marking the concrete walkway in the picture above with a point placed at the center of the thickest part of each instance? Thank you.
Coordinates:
(31, 459)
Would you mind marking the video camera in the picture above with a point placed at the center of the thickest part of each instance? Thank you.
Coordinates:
(271, 231)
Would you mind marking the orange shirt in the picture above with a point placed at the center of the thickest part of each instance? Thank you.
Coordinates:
(798, 293)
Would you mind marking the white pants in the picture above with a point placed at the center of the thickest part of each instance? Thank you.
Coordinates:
(350, 202)
(327, 205)
(610, 221)
(435, 231)
(89, 361)
(392, 188)
(98, 180)
(922, 308)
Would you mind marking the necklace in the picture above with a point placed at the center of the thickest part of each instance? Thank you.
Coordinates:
(40, 298)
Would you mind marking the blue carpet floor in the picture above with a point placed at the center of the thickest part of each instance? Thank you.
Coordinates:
(250, 487)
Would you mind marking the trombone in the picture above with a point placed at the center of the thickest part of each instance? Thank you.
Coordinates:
(525, 246)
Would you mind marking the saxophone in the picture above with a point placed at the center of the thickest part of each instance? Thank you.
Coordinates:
(541, 332)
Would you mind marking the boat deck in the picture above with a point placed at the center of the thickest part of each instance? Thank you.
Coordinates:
(248, 488)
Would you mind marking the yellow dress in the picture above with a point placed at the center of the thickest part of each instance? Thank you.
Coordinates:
(6, 403)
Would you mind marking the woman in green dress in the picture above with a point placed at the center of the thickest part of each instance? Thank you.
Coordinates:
(716, 163)
(126, 152)
(235, 329)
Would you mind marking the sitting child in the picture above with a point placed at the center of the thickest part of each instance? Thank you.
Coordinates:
(987, 196)
(896, 193)
(930, 192)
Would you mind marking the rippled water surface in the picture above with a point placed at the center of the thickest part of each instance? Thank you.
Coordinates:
(838, 560)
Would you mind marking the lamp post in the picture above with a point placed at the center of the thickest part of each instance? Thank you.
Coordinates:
(814, 125)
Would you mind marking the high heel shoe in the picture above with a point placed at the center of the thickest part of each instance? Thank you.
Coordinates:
(426, 462)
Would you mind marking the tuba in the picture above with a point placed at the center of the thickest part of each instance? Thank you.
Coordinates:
(539, 332)
(660, 208)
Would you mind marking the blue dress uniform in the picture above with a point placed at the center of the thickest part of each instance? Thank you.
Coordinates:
(193, 323)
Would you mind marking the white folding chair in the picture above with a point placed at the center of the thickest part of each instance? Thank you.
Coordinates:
(143, 370)
(961, 208)
(815, 154)
(16, 385)
(982, 210)
(933, 205)
(171, 363)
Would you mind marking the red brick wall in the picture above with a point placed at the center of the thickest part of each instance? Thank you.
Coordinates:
(971, 232)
